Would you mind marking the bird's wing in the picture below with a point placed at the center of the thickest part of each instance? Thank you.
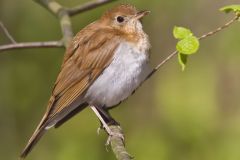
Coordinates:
(79, 71)
(82, 64)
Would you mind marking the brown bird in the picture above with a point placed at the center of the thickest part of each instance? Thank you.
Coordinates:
(105, 62)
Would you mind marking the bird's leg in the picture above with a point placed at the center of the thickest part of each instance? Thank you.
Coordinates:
(107, 117)
(106, 120)
(104, 124)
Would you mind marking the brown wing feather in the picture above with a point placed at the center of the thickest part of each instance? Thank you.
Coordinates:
(86, 70)
(90, 53)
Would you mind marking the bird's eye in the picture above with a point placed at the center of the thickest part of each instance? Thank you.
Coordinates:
(120, 19)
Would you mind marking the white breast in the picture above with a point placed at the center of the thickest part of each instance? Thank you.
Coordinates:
(127, 70)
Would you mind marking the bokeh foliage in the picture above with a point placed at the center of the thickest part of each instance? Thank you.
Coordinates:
(175, 115)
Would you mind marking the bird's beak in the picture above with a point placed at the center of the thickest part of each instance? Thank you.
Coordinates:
(141, 14)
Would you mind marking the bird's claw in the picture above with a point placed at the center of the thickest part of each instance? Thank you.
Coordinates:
(111, 135)
(98, 130)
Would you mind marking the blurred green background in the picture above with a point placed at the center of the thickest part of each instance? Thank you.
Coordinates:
(191, 115)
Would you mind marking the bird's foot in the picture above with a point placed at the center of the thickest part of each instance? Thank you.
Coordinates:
(105, 126)
(112, 134)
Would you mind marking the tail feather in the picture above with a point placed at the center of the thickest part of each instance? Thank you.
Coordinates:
(39, 131)
(33, 140)
(46, 123)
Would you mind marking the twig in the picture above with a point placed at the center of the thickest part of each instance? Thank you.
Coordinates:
(63, 16)
(7, 33)
(226, 25)
(25, 45)
(87, 6)
(161, 64)
(211, 33)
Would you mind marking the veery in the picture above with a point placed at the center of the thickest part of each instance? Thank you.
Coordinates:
(105, 62)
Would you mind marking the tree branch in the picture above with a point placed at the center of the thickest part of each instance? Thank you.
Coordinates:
(87, 6)
(5, 31)
(25, 45)
(63, 16)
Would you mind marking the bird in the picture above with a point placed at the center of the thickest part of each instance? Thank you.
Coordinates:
(104, 64)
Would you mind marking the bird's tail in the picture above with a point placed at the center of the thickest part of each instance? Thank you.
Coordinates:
(39, 132)
(45, 124)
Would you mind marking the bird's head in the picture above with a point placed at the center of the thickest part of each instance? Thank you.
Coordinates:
(125, 18)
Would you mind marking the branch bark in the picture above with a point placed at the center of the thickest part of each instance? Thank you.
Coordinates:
(28, 45)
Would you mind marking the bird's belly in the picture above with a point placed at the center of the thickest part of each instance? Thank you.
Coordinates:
(127, 70)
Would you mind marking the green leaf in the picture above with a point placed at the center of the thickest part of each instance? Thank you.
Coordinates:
(182, 59)
(181, 32)
(188, 45)
(231, 8)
